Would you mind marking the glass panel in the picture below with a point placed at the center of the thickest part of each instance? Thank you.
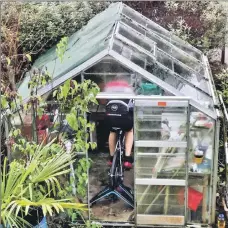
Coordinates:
(136, 38)
(149, 64)
(160, 200)
(131, 53)
(150, 25)
(154, 123)
(170, 166)
(193, 77)
(145, 87)
(165, 46)
(201, 142)
(108, 65)
(161, 44)
(164, 59)
(163, 74)
(128, 22)
(134, 15)
(102, 79)
(199, 195)
(185, 72)
(186, 48)
(79, 51)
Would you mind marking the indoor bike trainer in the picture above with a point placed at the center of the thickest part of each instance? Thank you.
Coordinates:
(116, 176)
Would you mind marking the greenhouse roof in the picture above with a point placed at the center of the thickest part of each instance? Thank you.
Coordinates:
(140, 45)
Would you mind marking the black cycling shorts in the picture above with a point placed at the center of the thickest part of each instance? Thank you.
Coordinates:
(124, 122)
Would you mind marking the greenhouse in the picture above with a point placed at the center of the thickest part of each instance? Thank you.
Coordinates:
(176, 120)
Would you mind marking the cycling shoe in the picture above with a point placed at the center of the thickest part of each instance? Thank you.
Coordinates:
(128, 165)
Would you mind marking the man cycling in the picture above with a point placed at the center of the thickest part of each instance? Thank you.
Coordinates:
(120, 115)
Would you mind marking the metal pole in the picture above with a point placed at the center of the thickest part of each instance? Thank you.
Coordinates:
(0, 114)
(187, 161)
(214, 171)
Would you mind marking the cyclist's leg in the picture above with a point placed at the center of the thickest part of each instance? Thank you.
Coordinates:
(129, 137)
(112, 142)
(112, 146)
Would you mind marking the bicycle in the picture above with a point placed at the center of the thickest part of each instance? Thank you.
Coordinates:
(116, 176)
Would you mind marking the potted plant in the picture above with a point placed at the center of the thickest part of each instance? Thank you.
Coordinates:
(32, 185)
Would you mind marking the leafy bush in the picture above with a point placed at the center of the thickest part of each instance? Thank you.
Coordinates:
(221, 79)
(41, 25)
(200, 23)
(43, 170)
(33, 28)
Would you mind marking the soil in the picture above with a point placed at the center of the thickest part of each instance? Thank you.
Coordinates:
(107, 210)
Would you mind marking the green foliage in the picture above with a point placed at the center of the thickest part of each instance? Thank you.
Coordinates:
(43, 169)
(33, 183)
(42, 25)
(200, 23)
(222, 86)
(82, 176)
(61, 48)
(75, 99)
(89, 224)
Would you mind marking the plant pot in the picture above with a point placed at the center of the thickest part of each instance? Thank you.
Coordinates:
(36, 218)
(42, 224)
(1, 226)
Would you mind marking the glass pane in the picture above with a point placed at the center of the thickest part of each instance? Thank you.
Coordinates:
(136, 38)
(160, 200)
(145, 87)
(155, 123)
(108, 65)
(201, 142)
(186, 48)
(164, 59)
(160, 43)
(190, 75)
(193, 77)
(199, 195)
(134, 15)
(134, 26)
(149, 64)
(102, 79)
(170, 166)
(151, 26)
(165, 46)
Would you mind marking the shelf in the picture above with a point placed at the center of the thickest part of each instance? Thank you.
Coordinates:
(149, 130)
(150, 143)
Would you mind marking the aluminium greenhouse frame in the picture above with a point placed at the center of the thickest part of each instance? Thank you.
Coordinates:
(127, 38)
(213, 175)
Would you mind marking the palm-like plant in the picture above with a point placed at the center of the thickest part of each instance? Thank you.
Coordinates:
(34, 183)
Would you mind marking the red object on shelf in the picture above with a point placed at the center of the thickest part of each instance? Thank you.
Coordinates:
(194, 198)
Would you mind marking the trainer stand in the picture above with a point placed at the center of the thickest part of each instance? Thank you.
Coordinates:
(123, 193)
(116, 186)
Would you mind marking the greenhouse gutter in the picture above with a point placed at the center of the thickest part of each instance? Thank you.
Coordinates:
(159, 82)
(211, 84)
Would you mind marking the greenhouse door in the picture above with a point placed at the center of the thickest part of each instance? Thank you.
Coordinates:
(161, 133)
